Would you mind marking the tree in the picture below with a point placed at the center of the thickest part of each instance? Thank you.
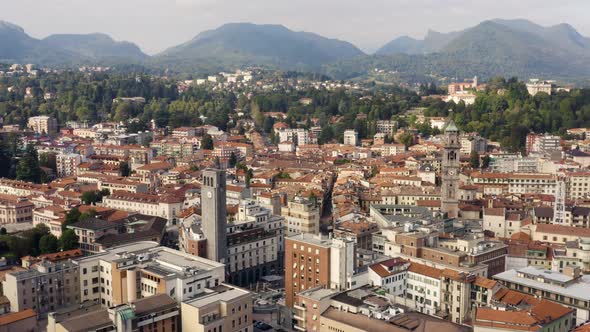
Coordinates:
(485, 162)
(28, 168)
(407, 139)
(249, 176)
(68, 240)
(124, 169)
(72, 217)
(48, 244)
(90, 197)
(474, 160)
(3, 231)
(207, 142)
(233, 160)
(88, 214)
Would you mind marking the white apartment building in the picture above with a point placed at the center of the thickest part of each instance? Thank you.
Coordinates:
(424, 287)
(298, 136)
(392, 149)
(67, 164)
(351, 137)
(390, 275)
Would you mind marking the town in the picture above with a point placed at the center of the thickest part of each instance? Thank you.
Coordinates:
(255, 200)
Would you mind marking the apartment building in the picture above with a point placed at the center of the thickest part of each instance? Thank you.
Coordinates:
(351, 137)
(301, 216)
(142, 269)
(569, 288)
(456, 295)
(500, 222)
(67, 163)
(21, 188)
(44, 287)
(312, 260)
(577, 185)
(390, 275)
(155, 313)
(514, 311)
(51, 216)
(15, 209)
(165, 206)
(518, 183)
(386, 127)
(42, 124)
(392, 149)
(223, 308)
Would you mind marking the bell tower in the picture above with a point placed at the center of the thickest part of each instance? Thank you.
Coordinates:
(450, 171)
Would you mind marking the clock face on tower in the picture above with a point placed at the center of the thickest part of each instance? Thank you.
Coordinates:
(451, 172)
(209, 195)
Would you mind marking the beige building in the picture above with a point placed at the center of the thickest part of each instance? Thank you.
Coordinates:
(167, 207)
(142, 269)
(301, 216)
(51, 216)
(15, 209)
(42, 124)
(44, 287)
(67, 164)
(224, 309)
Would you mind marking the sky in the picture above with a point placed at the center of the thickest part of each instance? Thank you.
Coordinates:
(155, 25)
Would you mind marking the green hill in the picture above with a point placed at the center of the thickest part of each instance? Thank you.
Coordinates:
(95, 46)
(243, 44)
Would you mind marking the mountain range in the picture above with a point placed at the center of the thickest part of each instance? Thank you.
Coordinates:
(496, 47)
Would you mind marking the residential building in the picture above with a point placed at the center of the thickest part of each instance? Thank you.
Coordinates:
(165, 206)
(67, 163)
(312, 260)
(141, 269)
(569, 288)
(535, 86)
(387, 127)
(42, 124)
(15, 209)
(223, 308)
(301, 216)
(351, 137)
(43, 287)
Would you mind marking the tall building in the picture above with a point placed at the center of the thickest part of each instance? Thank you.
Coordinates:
(312, 260)
(126, 273)
(301, 216)
(42, 124)
(450, 171)
(214, 214)
(351, 137)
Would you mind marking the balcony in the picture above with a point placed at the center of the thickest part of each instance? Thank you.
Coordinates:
(299, 318)
(298, 307)
(299, 328)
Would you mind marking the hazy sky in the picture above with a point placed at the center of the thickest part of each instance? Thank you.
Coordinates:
(157, 24)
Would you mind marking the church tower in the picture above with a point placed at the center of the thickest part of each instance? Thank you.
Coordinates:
(214, 214)
(450, 171)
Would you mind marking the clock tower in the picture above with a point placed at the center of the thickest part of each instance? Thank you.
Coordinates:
(450, 171)
(214, 214)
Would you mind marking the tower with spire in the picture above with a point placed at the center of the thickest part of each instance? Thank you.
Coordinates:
(450, 171)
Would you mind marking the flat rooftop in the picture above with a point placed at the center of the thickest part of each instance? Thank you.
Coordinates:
(225, 293)
(578, 289)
